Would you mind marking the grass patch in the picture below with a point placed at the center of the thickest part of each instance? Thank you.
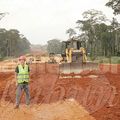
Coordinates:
(112, 60)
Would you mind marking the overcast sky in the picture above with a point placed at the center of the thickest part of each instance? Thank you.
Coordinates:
(42, 20)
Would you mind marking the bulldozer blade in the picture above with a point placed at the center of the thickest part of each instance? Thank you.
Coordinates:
(68, 70)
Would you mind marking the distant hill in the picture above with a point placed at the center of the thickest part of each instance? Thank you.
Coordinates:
(38, 49)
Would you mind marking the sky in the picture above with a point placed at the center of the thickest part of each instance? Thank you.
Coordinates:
(43, 20)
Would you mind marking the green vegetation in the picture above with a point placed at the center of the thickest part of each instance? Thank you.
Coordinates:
(54, 46)
(12, 43)
(112, 60)
(115, 5)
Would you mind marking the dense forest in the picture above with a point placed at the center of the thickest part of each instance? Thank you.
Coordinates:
(12, 43)
(98, 34)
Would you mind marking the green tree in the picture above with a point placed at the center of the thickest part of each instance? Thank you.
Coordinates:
(54, 46)
(115, 5)
(87, 26)
(2, 15)
(12, 43)
(71, 32)
(2, 42)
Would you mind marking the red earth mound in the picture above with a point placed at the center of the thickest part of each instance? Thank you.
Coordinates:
(98, 94)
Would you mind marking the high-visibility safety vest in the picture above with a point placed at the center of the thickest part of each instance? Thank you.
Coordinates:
(23, 75)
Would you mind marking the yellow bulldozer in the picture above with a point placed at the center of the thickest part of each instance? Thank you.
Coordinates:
(74, 58)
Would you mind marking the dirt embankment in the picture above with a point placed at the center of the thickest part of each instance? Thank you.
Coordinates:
(4, 79)
(97, 93)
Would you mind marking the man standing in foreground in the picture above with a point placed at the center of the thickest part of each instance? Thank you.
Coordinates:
(22, 81)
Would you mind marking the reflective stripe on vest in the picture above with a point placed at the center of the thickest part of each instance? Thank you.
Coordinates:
(23, 75)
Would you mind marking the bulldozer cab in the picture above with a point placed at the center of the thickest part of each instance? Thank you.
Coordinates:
(75, 44)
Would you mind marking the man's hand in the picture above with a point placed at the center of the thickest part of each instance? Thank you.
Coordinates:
(16, 79)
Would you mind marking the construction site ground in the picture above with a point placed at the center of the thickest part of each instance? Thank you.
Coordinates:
(95, 95)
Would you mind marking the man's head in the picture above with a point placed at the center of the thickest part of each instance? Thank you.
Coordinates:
(22, 59)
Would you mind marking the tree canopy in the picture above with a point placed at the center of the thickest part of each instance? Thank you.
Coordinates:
(54, 46)
(115, 5)
(12, 43)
